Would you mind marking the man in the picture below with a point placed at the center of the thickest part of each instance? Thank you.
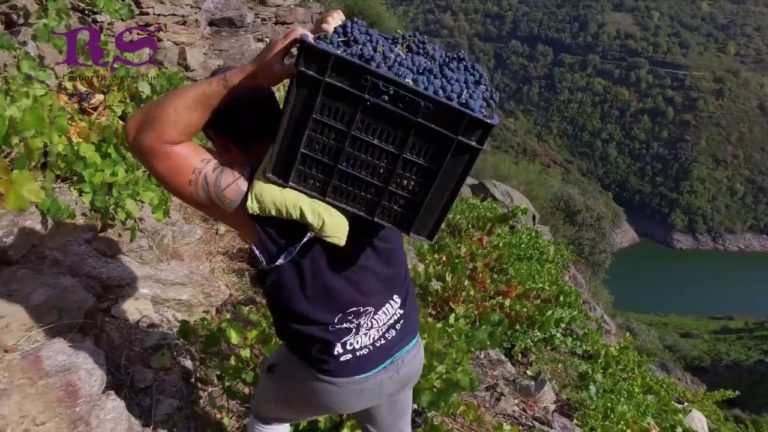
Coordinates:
(347, 316)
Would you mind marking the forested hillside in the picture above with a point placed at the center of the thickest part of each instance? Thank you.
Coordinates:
(664, 103)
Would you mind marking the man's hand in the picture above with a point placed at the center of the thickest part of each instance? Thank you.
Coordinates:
(269, 68)
(328, 21)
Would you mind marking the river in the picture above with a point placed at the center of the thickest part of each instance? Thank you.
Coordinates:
(651, 278)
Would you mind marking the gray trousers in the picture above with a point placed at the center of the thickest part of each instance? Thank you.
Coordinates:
(290, 392)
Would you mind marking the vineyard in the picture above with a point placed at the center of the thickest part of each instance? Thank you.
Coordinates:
(50, 134)
(484, 284)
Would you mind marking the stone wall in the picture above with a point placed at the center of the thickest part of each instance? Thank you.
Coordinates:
(194, 35)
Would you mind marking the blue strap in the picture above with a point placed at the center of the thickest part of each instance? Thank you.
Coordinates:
(285, 257)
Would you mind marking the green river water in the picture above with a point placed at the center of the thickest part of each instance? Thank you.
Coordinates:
(651, 278)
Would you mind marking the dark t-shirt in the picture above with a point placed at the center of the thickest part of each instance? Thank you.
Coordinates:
(346, 310)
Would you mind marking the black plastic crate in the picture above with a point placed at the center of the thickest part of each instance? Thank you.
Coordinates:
(367, 143)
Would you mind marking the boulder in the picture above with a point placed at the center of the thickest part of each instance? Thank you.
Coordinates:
(168, 54)
(68, 248)
(545, 231)
(142, 377)
(274, 3)
(180, 34)
(106, 247)
(110, 410)
(465, 192)
(236, 17)
(31, 299)
(506, 394)
(507, 196)
(292, 16)
(235, 49)
(493, 364)
(696, 421)
(19, 231)
(135, 310)
(175, 290)
(665, 369)
(56, 386)
(50, 57)
(192, 58)
(16, 14)
(562, 424)
(539, 391)
(574, 278)
(162, 241)
(7, 61)
(624, 236)
(25, 36)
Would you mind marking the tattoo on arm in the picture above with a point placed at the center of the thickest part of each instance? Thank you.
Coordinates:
(212, 182)
(225, 80)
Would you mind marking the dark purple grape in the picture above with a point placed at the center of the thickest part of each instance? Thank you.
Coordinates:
(411, 58)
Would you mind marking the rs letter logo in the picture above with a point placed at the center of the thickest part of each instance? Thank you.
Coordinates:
(96, 52)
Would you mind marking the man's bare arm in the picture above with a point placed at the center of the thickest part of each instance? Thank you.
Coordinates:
(160, 135)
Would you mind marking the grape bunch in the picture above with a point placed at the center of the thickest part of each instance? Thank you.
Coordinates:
(410, 57)
(81, 97)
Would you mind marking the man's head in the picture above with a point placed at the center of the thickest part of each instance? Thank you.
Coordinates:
(244, 127)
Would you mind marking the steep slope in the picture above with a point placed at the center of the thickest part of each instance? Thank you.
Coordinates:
(665, 104)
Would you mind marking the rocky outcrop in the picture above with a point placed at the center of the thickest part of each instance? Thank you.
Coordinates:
(624, 236)
(668, 370)
(736, 242)
(515, 398)
(18, 233)
(117, 301)
(57, 386)
(67, 281)
(591, 305)
(696, 421)
(506, 195)
(511, 198)
(31, 300)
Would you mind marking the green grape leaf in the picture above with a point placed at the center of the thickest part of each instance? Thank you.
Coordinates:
(7, 43)
(132, 207)
(144, 88)
(245, 353)
(249, 377)
(42, 33)
(62, 127)
(13, 111)
(59, 43)
(23, 191)
(234, 333)
(465, 380)
(33, 119)
(27, 65)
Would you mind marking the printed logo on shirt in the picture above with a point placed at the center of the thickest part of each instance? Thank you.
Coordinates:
(368, 329)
